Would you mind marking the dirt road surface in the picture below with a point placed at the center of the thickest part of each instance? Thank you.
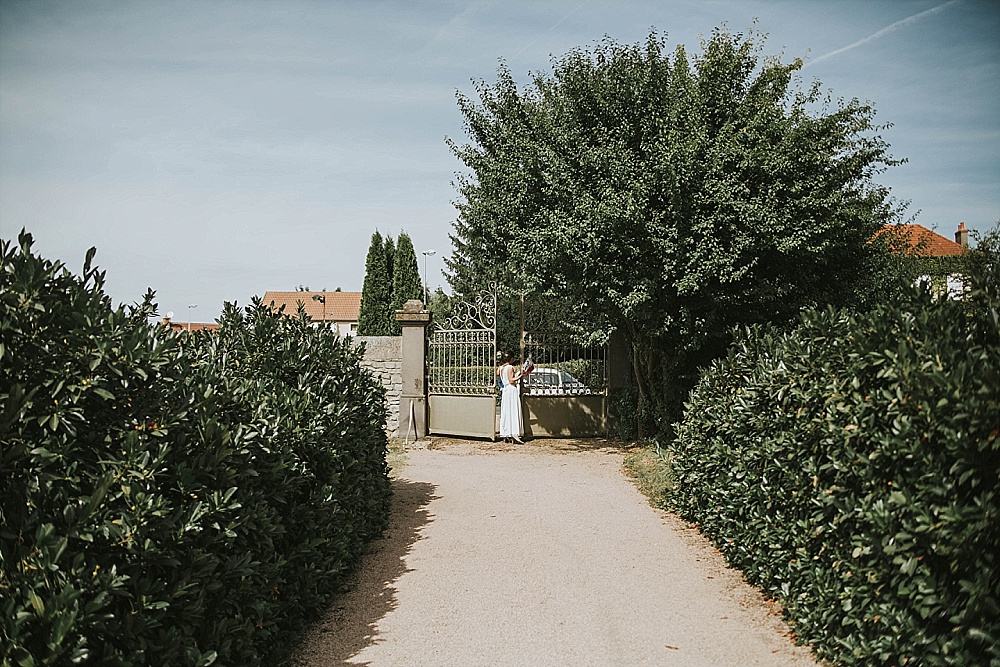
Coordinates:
(541, 555)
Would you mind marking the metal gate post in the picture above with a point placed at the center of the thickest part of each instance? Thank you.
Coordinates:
(413, 397)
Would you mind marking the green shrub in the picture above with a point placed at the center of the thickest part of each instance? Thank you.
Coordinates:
(850, 468)
(173, 499)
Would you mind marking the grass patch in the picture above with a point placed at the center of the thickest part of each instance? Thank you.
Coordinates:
(650, 472)
(395, 457)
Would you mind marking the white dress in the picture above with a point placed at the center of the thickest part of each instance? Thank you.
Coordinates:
(510, 406)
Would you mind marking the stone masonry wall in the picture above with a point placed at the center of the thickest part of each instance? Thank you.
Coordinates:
(384, 358)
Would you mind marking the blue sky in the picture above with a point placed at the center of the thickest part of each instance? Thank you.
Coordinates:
(216, 150)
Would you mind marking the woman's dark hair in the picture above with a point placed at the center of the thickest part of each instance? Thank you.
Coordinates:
(510, 357)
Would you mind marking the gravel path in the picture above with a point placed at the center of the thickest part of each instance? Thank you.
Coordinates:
(537, 555)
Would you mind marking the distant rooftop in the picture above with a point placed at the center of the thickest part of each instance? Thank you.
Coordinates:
(189, 326)
(923, 242)
(339, 307)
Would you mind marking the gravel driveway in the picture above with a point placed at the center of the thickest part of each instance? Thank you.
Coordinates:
(536, 555)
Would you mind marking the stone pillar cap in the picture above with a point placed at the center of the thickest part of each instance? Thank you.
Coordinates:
(413, 312)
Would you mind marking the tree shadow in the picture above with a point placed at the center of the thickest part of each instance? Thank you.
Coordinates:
(532, 443)
(351, 623)
(591, 444)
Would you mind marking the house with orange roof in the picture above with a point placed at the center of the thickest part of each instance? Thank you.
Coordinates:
(919, 241)
(338, 310)
(939, 260)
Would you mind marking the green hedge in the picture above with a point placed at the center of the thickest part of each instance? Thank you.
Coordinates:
(850, 468)
(168, 498)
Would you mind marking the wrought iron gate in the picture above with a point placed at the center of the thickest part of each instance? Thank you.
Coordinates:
(461, 364)
(565, 396)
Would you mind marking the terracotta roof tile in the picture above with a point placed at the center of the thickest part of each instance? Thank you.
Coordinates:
(924, 242)
(340, 306)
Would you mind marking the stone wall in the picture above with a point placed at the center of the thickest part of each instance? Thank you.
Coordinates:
(384, 358)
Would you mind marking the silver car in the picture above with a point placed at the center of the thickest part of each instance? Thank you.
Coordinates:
(553, 382)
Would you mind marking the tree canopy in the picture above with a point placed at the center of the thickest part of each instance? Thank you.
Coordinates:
(670, 197)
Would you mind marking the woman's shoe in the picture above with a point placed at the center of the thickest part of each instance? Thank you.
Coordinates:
(518, 441)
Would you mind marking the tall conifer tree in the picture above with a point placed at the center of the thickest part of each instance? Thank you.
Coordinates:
(390, 258)
(406, 276)
(374, 315)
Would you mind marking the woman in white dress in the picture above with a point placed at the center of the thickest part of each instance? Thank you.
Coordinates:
(511, 428)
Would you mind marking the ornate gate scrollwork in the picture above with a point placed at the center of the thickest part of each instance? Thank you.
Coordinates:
(462, 350)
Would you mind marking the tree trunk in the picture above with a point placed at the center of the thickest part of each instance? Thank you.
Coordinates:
(642, 357)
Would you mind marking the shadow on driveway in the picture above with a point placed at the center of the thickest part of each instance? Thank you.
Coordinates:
(350, 625)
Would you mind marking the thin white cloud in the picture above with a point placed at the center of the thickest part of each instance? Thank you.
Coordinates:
(554, 26)
(459, 26)
(883, 32)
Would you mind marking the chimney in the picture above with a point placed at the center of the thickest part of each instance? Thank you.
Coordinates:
(962, 235)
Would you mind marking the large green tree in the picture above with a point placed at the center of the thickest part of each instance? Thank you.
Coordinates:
(376, 293)
(670, 197)
(406, 282)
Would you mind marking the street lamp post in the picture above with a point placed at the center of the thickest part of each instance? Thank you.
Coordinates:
(426, 254)
(191, 307)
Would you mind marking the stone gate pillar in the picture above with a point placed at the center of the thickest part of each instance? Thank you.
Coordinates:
(413, 398)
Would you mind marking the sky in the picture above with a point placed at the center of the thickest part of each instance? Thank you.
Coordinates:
(213, 151)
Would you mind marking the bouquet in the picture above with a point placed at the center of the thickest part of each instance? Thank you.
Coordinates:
(527, 366)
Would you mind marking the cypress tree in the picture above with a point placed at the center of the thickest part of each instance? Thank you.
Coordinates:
(406, 276)
(373, 318)
(390, 258)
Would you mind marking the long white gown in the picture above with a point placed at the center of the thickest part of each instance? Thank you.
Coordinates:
(510, 406)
